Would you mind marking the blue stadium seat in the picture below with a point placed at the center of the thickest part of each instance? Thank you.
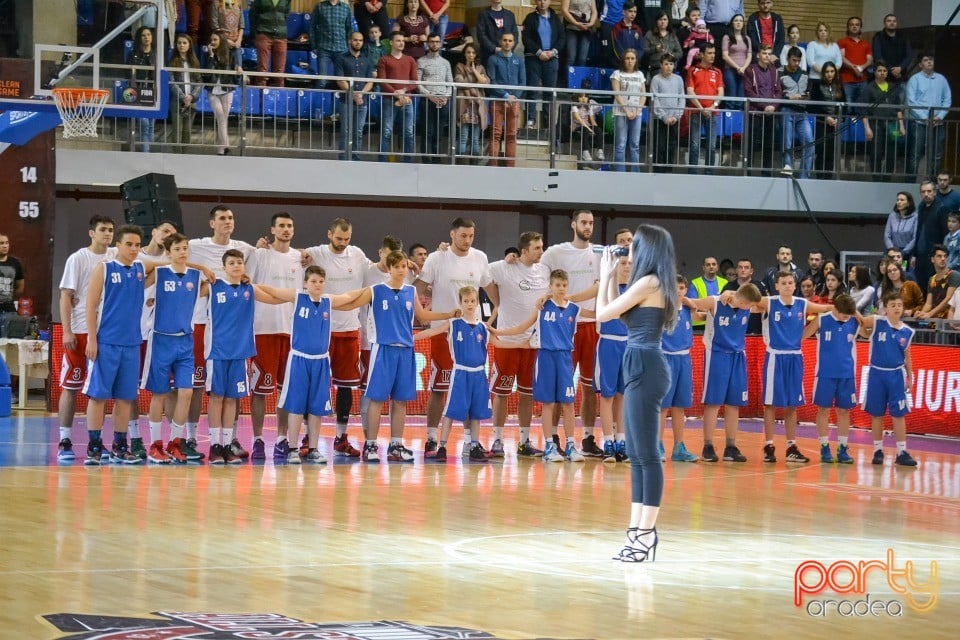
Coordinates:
(302, 62)
(248, 54)
(853, 131)
(280, 103)
(295, 25)
(182, 21)
(307, 19)
(605, 80)
(318, 104)
(127, 50)
(731, 123)
(576, 76)
(84, 13)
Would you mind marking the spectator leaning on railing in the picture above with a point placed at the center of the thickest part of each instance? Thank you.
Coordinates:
(883, 120)
(892, 46)
(667, 104)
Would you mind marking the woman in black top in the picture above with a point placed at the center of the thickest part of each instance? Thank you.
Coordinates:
(883, 121)
(827, 124)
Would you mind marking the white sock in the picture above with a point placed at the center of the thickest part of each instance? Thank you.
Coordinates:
(524, 434)
(176, 430)
(843, 440)
(192, 431)
(396, 440)
(878, 444)
(156, 429)
(227, 435)
(587, 432)
(498, 433)
(466, 434)
(133, 428)
(341, 428)
(432, 433)
(901, 446)
(260, 438)
(824, 440)
(790, 443)
(64, 432)
(216, 436)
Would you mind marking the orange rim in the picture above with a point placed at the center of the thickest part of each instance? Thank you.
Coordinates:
(82, 94)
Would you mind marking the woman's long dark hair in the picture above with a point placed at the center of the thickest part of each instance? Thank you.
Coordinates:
(653, 254)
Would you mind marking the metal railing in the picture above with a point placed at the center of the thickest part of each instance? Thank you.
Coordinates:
(855, 142)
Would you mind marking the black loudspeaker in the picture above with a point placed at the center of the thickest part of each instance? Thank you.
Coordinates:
(149, 200)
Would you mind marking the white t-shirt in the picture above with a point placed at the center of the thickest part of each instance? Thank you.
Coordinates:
(149, 293)
(631, 86)
(582, 267)
(448, 273)
(76, 276)
(204, 251)
(344, 273)
(520, 287)
(284, 271)
(371, 276)
(955, 305)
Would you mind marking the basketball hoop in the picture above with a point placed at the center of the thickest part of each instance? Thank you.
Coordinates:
(80, 110)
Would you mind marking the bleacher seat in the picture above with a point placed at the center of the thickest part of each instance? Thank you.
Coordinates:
(302, 62)
(295, 25)
(731, 123)
(282, 103)
(317, 105)
(852, 131)
(182, 21)
(127, 50)
(576, 76)
(253, 102)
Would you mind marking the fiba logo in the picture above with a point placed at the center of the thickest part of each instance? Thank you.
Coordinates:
(130, 95)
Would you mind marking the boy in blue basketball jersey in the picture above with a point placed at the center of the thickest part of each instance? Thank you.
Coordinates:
(725, 375)
(784, 318)
(469, 398)
(890, 376)
(228, 342)
(393, 371)
(553, 378)
(307, 390)
(834, 383)
(608, 376)
(676, 347)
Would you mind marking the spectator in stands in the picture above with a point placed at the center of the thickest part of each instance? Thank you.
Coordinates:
(819, 52)
(648, 12)
(928, 99)
(728, 270)
(371, 13)
(766, 27)
(705, 88)
(793, 82)
(931, 227)
(694, 44)
(628, 82)
(737, 57)
(201, 19)
(543, 42)
(331, 23)
(894, 280)
(949, 199)
(436, 75)
(492, 24)
(761, 83)
(793, 40)
(184, 90)
(585, 122)
(354, 64)
(831, 288)
(505, 68)
(893, 47)
(437, 12)
(857, 59)
(231, 21)
(860, 288)
(610, 16)
(268, 21)
(901, 229)
(784, 263)
(579, 17)
(896, 255)
(719, 15)
(415, 29)
(677, 10)
(144, 55)
(952, 240)
(691, 15)
(745, 276)
(471, 107)
(625, 35)
(882, 121)
(667, 112)
(659, 41)
(396, 101)
(815, 267)
(827, 122)
(220, 88)
(941, 285)
(807, 288)
(373, 48)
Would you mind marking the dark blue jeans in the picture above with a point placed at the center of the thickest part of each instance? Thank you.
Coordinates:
(647, 381)
(540, 73)
(359, 121)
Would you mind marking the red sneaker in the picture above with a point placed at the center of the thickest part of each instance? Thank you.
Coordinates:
(175, 452)
(157, 455)
(342, 447)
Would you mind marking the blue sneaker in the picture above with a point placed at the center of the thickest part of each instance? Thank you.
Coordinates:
(680, 454)
(571, 453)
(65, 450)
(843, 455)
(551, 453)
(825, 455)
(904, 459)
(663, 452)
(622, 451)
(281, 449)
(609, 451)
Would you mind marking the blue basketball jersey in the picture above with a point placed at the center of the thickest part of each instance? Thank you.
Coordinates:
(783, 324)
(556, 326)
(392, 312)
(837, 347)
(121, 304)
(175, 297)
(888, 344)
(229, 334)
(310, 335)
(614, 327)
(679, 340)
(468, 343)
(726, 329)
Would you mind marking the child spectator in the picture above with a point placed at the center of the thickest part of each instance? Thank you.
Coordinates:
(584, 127)
(695, 41)
(952, 240)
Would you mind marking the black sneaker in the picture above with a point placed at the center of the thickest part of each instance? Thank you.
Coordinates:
(904, 459)
(589, 448)
(794, 455)
(190, 450)
(479, 454)
(94, 453)
(65, 450)
(709, 454)
(216, 454)
(732, 454)
(441, 454)
(430, 449)
(769, 453)
(877, 457)
(120, 454)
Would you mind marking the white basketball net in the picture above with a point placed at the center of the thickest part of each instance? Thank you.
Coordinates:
(80, 110)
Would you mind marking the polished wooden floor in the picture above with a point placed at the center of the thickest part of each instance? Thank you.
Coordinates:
(516, 549)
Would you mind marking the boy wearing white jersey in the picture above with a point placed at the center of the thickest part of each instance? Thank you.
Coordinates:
(277, 265)
(583, 269)
(345, 266)
(515, 290)
(448, 272)
(73, 297)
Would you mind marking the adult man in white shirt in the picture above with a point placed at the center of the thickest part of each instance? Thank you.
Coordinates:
(515, 290)
(73, 296)
(208, 252)
(447, 271)
(277, 265)
(583, 268)
(345, 265)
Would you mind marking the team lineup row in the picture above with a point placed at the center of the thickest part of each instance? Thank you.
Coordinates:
(328, 314)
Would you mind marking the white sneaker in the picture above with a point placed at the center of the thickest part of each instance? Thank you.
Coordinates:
(293, 457)
(315, 457)
(585, 156)
(598, 154)
(787, 170)
(572, 454)
(551, 454)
